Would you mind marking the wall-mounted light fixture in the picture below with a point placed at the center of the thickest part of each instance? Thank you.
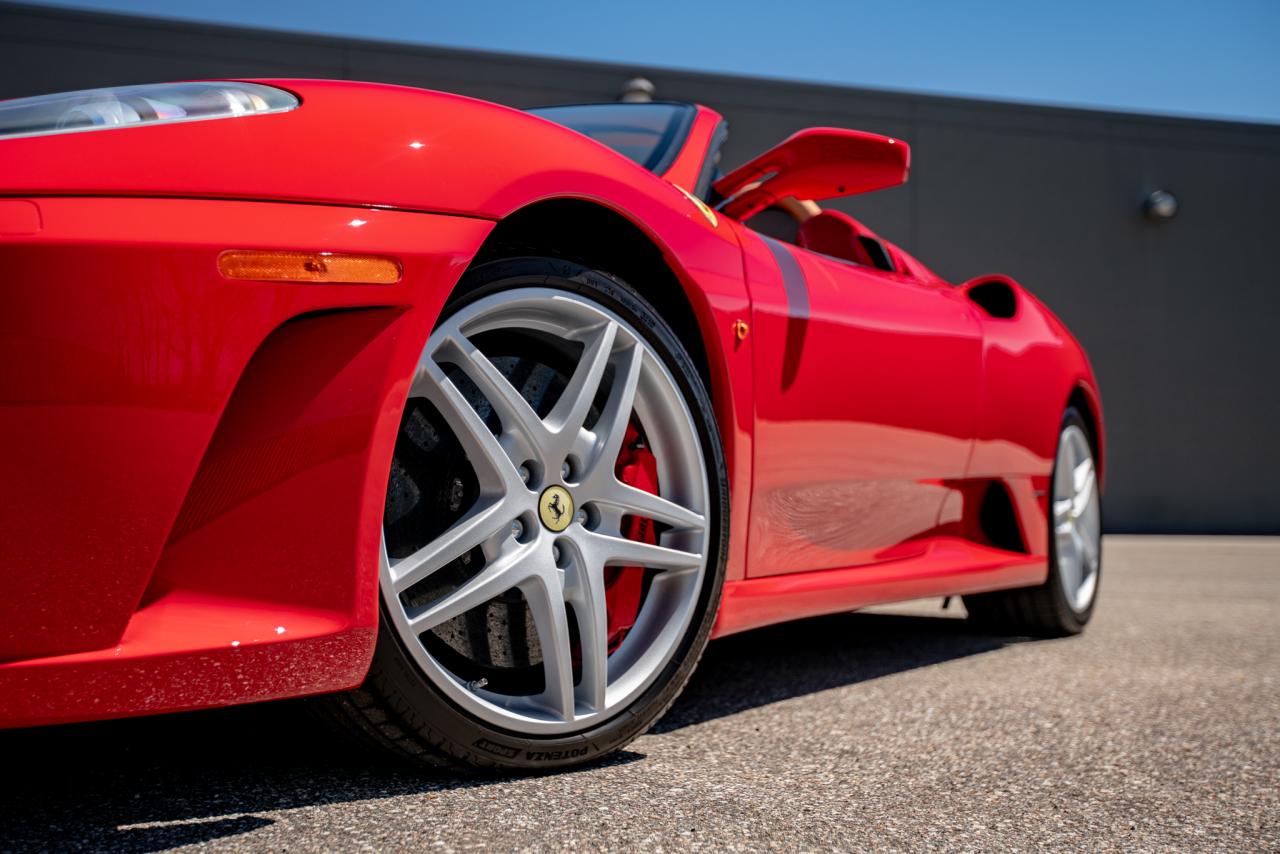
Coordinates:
(1160, 205)
(637, 89)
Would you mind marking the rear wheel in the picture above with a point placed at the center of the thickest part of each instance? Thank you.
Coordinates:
(1064, 603)
(553, 539)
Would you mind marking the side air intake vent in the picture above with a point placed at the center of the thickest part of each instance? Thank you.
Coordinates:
(996, 298)
(998, 519)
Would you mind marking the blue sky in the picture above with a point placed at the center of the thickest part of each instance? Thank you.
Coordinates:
(1181, 57)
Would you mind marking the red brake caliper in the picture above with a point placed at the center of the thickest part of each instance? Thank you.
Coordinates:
(624, 585)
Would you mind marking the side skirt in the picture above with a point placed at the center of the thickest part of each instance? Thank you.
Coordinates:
(950, 566)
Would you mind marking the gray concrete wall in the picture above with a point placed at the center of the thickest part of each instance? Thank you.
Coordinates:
(1179, 317)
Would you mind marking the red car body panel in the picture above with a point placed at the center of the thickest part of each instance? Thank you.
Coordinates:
(868, 389)
(195, 512)
(193, 491)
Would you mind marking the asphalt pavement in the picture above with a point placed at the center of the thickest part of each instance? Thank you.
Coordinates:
(900, 729)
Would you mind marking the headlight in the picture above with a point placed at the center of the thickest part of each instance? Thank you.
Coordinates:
(127, 106)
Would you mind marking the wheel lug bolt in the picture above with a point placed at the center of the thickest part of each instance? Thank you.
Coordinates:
(555, 553)
(524, 473)
(565, 470)
(517, 529)
(581, 517)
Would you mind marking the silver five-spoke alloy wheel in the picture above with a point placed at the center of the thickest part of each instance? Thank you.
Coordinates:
(1076, 518)
(551, 511)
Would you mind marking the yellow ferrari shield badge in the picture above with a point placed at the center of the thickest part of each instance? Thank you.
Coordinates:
(556, 508)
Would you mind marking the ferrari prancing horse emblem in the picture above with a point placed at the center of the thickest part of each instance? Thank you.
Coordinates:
(556, 508)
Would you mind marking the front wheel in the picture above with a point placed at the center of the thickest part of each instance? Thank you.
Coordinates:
(555, 526)
(1064, 603)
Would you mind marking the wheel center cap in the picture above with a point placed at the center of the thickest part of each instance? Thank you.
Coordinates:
(555, 507)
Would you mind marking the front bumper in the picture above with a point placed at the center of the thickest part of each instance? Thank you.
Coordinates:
(193, 469)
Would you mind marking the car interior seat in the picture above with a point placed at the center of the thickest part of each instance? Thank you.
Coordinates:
(841, 236)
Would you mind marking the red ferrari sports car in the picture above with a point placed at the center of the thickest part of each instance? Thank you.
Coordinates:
(482, 422)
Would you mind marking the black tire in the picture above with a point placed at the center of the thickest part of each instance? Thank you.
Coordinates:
(1044, 610)
(399, 708)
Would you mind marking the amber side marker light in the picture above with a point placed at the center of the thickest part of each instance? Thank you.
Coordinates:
(318, 267)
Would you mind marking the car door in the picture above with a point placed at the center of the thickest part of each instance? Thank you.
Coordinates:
(867, 387)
